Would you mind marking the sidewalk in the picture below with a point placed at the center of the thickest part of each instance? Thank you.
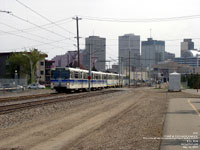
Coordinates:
(192, 91)
(182, 124)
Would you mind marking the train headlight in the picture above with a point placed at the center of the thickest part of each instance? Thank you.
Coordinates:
(68, 84)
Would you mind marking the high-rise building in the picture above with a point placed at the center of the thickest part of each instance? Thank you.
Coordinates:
(186, 45)
(129, 42)
(169, 56)
(98, 52)
(153, 51)
(190, 57)
(66, 59)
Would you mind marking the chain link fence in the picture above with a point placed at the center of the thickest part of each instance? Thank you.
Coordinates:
(12, 84)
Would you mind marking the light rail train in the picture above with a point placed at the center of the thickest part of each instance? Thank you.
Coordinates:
(67, 79)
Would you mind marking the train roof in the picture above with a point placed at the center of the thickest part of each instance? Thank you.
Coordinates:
(77, 69)
(86, 71)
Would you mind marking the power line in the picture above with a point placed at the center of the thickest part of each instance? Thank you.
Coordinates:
(38, 45)
(43, 17)
(141, 20)
(3, 11)
(48, 24)
(40, 26)
(42, 37)
(30, 39)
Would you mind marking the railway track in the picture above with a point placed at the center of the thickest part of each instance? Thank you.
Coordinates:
(24, 105)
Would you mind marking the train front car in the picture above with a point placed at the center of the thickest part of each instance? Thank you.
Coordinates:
(60, 79)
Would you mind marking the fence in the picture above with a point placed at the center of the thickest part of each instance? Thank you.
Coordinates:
(11, 83)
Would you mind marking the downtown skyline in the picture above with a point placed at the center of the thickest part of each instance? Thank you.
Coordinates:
(95, 21)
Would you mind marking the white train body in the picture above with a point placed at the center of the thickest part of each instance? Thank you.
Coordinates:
(63, 79)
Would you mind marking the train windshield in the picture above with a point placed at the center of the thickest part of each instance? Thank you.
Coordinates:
(60, 73)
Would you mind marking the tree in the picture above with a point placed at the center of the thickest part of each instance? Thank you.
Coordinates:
(26, 62)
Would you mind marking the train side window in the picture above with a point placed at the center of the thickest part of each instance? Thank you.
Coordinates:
(84, 75)
(76, 75)
(93, 76)
(71, 75)
(80, 75)
(105, 76)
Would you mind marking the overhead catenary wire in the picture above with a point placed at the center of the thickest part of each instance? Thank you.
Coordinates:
(42, 37)
(21, 36)
(55, 33)
(32, 46)
(44, 17)
(44, 25)
(147, 20)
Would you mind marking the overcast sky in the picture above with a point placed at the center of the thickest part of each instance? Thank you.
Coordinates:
(171, 31)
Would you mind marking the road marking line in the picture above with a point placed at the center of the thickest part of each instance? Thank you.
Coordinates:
(198, 113)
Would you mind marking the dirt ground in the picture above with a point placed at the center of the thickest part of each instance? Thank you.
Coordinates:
(117, 122)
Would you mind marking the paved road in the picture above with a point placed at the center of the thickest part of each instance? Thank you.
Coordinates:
(182, 125)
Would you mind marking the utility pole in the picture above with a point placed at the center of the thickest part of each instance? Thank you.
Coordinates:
(126, 68)
(129, 63)
(119, 65)
(90, 68)
(122, 71)
(141, 73)
(78, 47)
(129, 66)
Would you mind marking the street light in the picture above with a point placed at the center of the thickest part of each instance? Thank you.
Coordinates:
(31, 64)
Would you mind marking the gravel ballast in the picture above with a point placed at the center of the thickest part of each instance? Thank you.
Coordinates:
(121, 120)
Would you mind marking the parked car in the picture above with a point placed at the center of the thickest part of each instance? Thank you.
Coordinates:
(41, 86)
(19, 87)
(36, 86)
